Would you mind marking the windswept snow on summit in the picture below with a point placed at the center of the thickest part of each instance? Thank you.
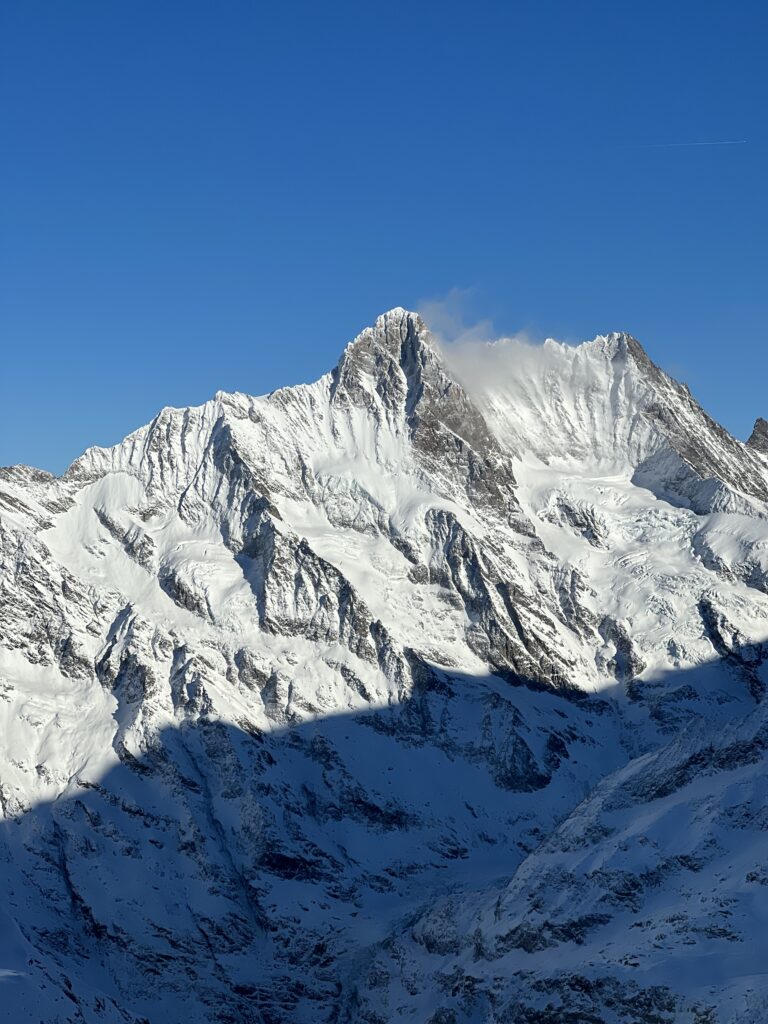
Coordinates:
(604, 407)
(562, 404)
(302, 694)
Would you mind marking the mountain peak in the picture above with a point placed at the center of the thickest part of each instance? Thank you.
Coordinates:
(396, 330)
(619, 343)
(398, 345)
(398, 315)
(758, 439)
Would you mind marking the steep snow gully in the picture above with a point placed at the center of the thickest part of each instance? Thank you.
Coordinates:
(410, 694)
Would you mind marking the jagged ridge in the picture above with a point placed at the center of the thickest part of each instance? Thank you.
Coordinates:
(293, 685)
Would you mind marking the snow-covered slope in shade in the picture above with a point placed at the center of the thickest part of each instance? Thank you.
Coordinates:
(297, 689)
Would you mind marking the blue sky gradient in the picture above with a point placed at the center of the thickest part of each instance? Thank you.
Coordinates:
(197, 196)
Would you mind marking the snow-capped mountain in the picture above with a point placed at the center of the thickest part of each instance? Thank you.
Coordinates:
(412, 693)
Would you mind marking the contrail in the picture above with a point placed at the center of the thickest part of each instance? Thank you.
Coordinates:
(670, 145)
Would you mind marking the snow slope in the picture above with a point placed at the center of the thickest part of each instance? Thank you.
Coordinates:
(352, 702)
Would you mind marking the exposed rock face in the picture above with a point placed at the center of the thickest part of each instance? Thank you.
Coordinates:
(391, 695)
(758, 439)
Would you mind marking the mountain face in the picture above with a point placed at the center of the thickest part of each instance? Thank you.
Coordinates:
(405, 694)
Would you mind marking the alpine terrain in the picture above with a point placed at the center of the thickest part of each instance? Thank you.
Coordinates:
(393, 697)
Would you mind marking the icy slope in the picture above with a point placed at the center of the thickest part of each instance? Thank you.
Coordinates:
(605, 407)
(280, 674)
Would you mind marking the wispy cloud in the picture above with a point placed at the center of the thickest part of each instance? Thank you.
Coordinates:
(477, 355)
(446, 318)
(679, 145)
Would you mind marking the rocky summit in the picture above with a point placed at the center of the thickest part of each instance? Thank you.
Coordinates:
(413, 694)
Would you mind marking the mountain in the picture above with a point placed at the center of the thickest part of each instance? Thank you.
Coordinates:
(418, 692)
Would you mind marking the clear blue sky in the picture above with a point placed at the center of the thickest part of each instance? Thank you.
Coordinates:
(199, 195)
